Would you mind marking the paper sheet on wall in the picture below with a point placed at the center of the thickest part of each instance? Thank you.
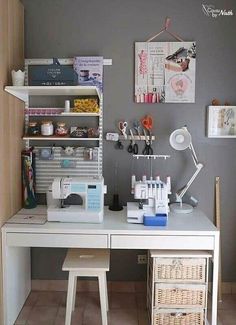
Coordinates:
(165, 72)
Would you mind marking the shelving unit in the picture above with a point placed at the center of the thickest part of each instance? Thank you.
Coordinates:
(46, 170)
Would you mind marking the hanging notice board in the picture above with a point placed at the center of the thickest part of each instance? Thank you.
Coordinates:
(165, 72)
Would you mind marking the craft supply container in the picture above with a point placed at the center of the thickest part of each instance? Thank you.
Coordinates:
(47, 128)
(33, 129)
(61, 129)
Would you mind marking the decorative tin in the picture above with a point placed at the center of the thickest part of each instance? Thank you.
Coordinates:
(52, 75)
(78, 132)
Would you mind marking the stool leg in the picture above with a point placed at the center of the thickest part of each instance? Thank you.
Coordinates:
(69, 300)
(103, 303)
(74, 293)
(105, 281)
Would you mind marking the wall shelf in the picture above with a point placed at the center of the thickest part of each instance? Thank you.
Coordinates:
(23, 92)
(55, 111)
(54, 138)
(46, 170)
(79, 114)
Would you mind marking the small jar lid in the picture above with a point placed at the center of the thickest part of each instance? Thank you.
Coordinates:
(33, 123)
(61, 124)
(46, 122)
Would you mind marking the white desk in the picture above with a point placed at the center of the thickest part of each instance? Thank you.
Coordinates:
(192, 231)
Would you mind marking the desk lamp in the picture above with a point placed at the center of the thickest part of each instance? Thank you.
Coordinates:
(181, 139)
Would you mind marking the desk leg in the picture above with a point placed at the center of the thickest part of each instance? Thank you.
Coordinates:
(16, 279)
(215, 280)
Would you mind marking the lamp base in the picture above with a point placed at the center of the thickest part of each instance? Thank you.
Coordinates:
(181, 208)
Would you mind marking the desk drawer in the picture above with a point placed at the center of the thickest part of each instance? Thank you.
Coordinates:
(57, 240)
(179, 295)
(162, 242)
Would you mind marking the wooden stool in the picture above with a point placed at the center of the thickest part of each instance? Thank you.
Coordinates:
(86, 263)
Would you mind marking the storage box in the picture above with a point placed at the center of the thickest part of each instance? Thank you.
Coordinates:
(52, 75)
(178, 317)
(179, 295)
(179, 269)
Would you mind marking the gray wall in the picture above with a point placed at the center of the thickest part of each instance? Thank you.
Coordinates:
(64, 28)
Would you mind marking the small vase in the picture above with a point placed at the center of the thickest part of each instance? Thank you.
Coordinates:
(18, 78)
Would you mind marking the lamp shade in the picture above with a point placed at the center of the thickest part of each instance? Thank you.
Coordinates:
(180, 139)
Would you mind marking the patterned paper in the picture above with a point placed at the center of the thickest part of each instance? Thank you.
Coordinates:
(165, 72)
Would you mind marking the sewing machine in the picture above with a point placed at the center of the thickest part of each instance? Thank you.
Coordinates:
(91, 190)
(153, 199)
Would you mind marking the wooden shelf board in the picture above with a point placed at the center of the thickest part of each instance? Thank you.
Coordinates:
(54, 138)
(67, 115)
(79, 114)
(23, 92)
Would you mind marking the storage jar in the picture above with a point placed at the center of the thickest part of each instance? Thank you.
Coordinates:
(61, 129)
(47, 128)
(33, 128)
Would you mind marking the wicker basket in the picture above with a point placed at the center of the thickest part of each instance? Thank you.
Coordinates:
(179, 295)
(180, 269)
(178, 317)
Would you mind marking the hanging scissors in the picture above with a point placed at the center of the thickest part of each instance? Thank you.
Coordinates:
(147, 149)
(122, 127)
(133, 147)
(137, 128)
(147, 123)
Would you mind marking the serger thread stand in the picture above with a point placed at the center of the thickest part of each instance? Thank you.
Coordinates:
(151, 157)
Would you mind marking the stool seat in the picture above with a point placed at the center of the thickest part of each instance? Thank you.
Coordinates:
(89, 259)
(86, 263)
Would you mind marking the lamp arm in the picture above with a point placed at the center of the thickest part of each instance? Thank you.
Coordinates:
(180, 193)
(193, 154)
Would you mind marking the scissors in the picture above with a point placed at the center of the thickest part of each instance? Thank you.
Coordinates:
(147, 123)
(137, 128)
(122, 127)
(133, 147)
(147, 149)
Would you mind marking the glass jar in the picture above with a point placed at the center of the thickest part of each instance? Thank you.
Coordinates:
(33, 128)
(61, 129)
(47, 128)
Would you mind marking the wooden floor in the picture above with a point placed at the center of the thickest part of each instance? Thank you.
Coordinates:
(48, 308)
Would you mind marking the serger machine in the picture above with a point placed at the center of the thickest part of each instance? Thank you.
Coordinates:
(153, 201)
(91, 190)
